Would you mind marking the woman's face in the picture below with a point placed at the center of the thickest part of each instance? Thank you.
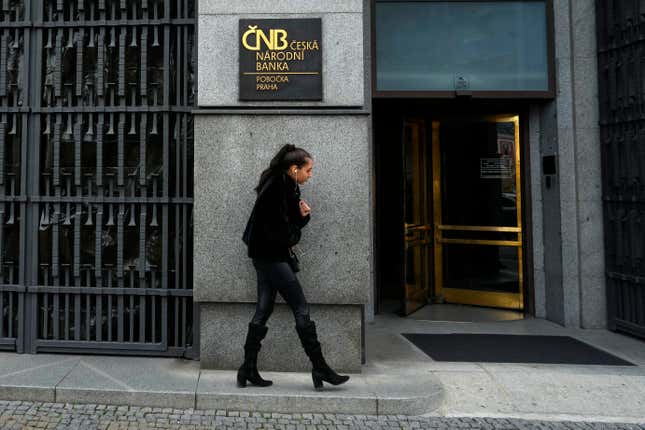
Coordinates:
(303, 173)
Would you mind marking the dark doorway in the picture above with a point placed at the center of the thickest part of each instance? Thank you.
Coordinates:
(448, 219)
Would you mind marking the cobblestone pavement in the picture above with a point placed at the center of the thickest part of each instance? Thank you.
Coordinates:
(36, 415)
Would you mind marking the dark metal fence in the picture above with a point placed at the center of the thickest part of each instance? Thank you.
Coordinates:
(96, 141)
(621, 65)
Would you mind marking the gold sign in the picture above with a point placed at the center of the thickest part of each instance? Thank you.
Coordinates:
(280, 59)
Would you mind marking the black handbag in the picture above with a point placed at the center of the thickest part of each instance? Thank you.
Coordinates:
(293, 261)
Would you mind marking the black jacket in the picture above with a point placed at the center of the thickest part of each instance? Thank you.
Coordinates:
(275, 222)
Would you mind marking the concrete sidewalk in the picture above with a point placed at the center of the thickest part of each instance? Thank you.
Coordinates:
(397, 379)
(527, 391)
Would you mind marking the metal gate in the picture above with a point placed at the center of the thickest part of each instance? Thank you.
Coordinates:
(96, 141)
(621, 54)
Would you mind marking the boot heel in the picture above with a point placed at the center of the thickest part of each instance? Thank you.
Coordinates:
(241, 380)
(318, 382)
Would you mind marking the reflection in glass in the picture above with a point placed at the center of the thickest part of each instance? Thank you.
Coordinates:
(479, 195)
(495, 45)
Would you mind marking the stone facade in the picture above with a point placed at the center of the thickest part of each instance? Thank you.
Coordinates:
(234, 142)
(569, 274)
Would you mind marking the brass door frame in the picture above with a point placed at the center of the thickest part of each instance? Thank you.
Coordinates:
(418, 234)
(456, 295)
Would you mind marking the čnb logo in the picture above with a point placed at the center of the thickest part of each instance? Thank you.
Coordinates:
(254, 38)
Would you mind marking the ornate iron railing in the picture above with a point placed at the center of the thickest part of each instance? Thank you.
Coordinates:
(97, 136)
(621, 65)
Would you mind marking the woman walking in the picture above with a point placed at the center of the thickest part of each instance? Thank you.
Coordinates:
(272, 230)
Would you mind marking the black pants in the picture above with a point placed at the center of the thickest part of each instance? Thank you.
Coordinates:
(277, 277)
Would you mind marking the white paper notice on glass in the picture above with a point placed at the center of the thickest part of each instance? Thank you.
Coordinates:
(496, 168)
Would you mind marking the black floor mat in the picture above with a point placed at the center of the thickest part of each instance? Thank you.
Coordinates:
(501, 348)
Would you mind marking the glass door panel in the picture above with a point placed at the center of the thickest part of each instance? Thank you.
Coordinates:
(478, 231)
(417, 228)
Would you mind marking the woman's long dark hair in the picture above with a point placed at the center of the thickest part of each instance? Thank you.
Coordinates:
(287, 156)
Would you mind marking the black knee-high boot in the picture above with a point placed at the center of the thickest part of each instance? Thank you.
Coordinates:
(249, 369)
(321, 370)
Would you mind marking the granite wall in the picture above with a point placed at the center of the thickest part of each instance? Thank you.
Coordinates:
(234, 142)
(571, 266)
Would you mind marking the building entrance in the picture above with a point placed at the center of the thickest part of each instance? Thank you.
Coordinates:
(461, 215)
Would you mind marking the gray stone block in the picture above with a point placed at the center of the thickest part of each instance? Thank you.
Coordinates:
(585, 86)
(33, 377)
(592, 265)
(230, 153)
(539, 293)
(135, 380)
(588, 162)
(343, 65)
(592, 256)
(583, 14)
(224, 326)
(27, 393)
(562, 28)
(121, 397)
(397, 394)
(566, 170)
(217, 7)
(594, 301)
(291, 392)
(564, 93)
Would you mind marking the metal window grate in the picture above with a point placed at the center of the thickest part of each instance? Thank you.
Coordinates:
(621, 49)
(99, 110)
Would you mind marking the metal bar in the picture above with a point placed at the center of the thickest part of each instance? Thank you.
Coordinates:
(153, 320)
(77, 315)
(104, 346)
(101, 199)
(99, 318)
(80, 39)
(131, 320)
(175, 319)
(58, 61)
(55, 317)
(2, 250)
(182, 342)
(184, 253)
(121, 78)
(152, 108)
(120, 283)
(120, 324)
(2, 312)
(120, 152)
(100, 64)
(166, 174)
(479, 228)
(88, 309)
(178, 175)
(142, 318)
(29, 173)
(45, 305)
(481, 242)
(2, 153)
(3, 62)
(115, 291)
(119, 243)
(185, 63)
(15, 288)
(66, 317)
(110, 318)
(178, 55)
(10, 314)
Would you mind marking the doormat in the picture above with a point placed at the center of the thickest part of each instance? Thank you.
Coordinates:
(502, 348)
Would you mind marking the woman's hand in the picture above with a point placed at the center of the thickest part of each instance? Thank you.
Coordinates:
(304, 208)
